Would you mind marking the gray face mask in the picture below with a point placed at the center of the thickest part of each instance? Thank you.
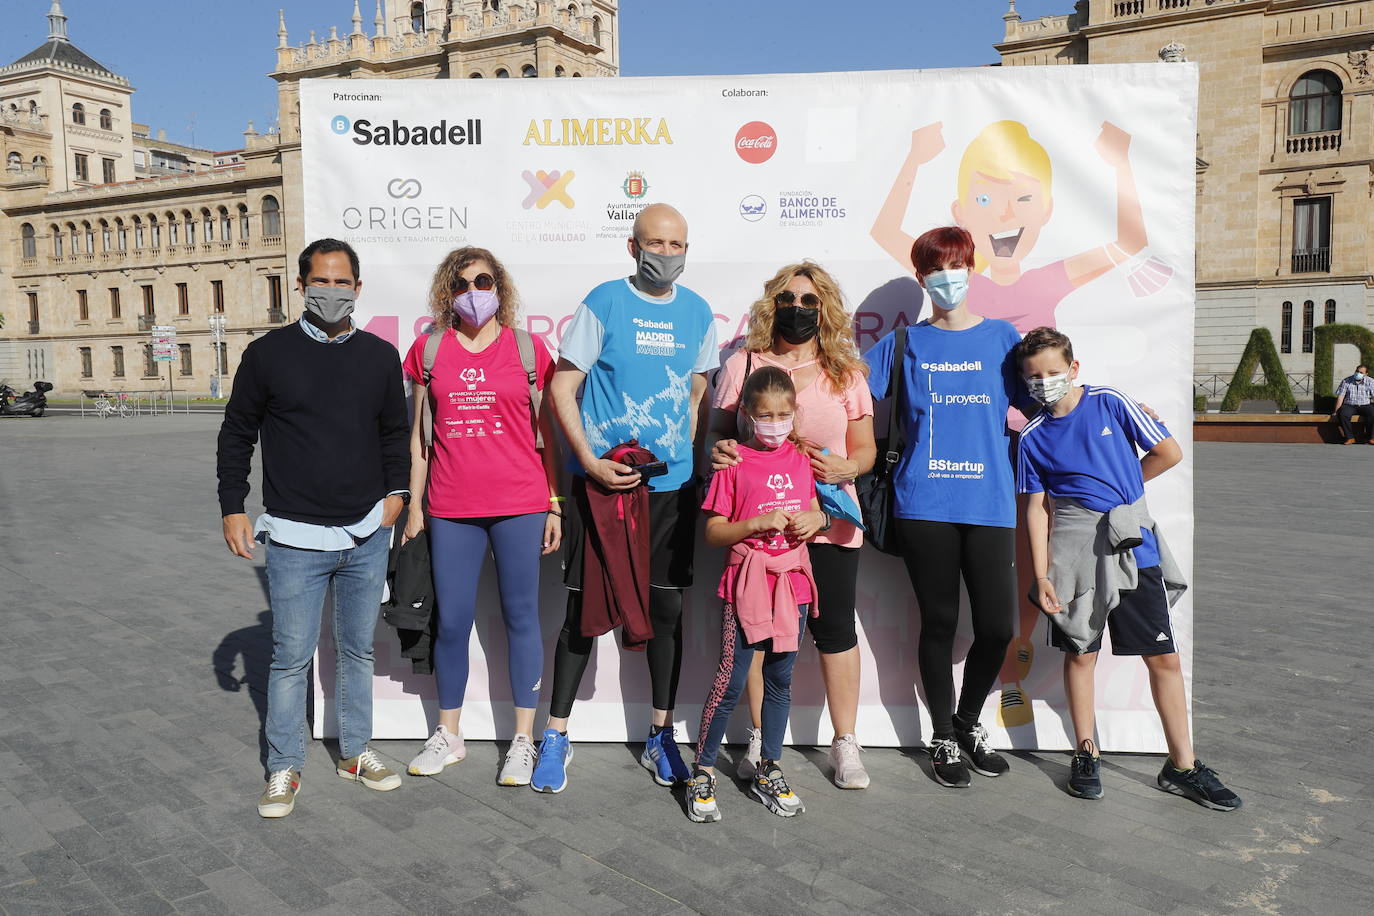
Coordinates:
(660, 270)
(331, 304)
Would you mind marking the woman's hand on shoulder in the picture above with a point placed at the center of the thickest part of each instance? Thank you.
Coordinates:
(724, 454)
(831, 468)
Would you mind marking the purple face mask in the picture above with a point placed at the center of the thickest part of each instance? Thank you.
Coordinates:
(476, 306)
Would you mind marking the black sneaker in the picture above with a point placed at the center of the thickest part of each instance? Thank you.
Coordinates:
(981, 757)
(1085, 775)
(1200, 784)
(947, 763)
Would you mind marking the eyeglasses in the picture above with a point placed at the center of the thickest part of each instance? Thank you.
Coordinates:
(788, 299)
(481, 281)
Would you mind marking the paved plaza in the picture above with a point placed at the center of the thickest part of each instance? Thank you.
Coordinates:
(133, 655)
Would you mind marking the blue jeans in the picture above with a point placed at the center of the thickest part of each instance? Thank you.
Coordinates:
(297, 581)
(736, 656)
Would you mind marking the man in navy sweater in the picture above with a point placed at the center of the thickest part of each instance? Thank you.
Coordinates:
(327, 399)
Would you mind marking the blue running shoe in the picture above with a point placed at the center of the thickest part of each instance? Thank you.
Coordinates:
(662, 758)
(551, 772)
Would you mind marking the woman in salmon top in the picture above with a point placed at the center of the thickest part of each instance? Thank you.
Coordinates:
(800, 325)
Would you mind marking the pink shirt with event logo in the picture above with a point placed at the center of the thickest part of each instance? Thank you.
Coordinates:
(763, 480)
(484, 463)
(823, 416)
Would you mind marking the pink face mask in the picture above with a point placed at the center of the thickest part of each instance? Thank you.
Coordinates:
(476, 306)
(772, 433)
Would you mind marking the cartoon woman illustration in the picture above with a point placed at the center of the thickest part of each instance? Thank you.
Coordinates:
(1004, 199)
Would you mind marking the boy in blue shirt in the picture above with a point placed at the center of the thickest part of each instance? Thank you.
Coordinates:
(1078, 459)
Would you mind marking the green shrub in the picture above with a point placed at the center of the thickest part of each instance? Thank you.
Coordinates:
(1199, 402)
(1325, 338)
(1259, 352)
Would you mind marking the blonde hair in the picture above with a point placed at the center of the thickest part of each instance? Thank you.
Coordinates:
(837, 353)
(1001, 149)
(444, 287)
(767, 380)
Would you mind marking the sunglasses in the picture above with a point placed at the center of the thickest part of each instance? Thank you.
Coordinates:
(481, 281)
(788, 299)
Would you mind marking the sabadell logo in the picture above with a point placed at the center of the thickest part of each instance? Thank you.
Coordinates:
(365, 133)
(756, 142)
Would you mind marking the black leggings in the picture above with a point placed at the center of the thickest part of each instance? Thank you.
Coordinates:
(935, 554)
(664, 651)
(837, 574)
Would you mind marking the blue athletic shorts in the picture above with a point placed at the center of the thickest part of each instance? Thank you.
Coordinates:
(1139, 625)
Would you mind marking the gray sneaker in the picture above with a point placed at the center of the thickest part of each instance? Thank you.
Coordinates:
(749, 764)
(844, 759)
(368, 769)
(443, 749)
(518, 769)
(279, 797)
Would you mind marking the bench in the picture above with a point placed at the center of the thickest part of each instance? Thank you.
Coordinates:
(1268, 427)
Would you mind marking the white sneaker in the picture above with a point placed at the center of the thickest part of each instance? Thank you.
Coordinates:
(443, 749)
(749, 765)
(844, 759)
(518, 769)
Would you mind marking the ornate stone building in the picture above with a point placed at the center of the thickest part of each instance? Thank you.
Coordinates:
(1285, 153)
(106, 229)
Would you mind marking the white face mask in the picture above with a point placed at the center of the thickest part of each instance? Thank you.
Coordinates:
(1049, 391)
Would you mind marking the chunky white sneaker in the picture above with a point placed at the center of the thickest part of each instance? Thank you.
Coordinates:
(749, 765)
(844, 759)
(443, 749)
(701, 798)
(518, 769)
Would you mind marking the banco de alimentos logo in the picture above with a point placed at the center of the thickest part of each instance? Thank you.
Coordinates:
(547, 187)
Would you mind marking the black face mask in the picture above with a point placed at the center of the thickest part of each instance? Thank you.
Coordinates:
(796, 324)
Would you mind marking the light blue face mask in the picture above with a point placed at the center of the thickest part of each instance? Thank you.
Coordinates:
(947, 288)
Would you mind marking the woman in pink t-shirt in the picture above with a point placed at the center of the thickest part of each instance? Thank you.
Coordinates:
(487, 486)
(800, 325)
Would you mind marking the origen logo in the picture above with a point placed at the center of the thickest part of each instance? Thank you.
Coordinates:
(547, 187)
(756, 142)
(340, 124)
(404, 188)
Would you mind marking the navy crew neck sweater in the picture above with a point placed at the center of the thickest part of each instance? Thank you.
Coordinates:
(335, 434)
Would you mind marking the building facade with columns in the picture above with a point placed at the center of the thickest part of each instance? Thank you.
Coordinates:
(1285, 154)
(107, 229)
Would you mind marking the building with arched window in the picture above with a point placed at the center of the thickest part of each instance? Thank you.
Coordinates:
(1285, 153)
(138, 229)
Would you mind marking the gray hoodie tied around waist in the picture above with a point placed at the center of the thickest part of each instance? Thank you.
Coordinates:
(1092, 562)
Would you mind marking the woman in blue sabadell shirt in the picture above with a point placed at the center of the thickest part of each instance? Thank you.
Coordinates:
(955, 494)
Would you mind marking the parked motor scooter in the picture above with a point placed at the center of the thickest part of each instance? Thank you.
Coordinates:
(29, 404)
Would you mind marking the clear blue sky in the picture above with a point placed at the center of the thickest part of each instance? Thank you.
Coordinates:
(205, 63)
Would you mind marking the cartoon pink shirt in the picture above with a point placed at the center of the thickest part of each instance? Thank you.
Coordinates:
(1028, 303)
(823, 416)
(763, 480)
(484, 462)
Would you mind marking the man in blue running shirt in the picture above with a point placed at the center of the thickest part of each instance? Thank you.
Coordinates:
(638, 349)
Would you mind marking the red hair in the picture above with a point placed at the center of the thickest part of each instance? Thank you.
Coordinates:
(946, 245)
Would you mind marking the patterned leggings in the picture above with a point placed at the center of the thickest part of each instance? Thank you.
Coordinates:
(736, 656)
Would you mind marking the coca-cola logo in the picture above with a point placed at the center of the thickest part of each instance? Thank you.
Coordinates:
(756, 142)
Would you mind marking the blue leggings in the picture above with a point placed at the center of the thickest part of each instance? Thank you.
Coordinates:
(736, 656)
(459, 548)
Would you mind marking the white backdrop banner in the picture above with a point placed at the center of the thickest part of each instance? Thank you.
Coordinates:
(1076, 182)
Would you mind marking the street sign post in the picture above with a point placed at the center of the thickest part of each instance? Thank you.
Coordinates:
(216, 339)
(165, 351)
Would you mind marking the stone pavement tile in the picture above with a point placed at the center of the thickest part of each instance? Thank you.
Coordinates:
(117, 878)
(202, 904)
(292, 886)
(169, 878)
(145, 905)
(103, 908)
(360, 895)
(53, 866)
(84, 843)
(42, 897)
(200, 856)
(241, 893)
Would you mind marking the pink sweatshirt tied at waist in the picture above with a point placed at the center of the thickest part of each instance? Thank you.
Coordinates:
(763, 615)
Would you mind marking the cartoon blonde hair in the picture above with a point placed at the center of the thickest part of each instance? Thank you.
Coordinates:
(1001, 149)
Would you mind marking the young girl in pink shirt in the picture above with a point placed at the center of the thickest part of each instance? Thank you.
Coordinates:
(765, 510)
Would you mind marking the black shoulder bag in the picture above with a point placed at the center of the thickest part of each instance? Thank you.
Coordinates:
(876, 488)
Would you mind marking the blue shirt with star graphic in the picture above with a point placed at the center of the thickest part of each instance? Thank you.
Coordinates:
(640, 353)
